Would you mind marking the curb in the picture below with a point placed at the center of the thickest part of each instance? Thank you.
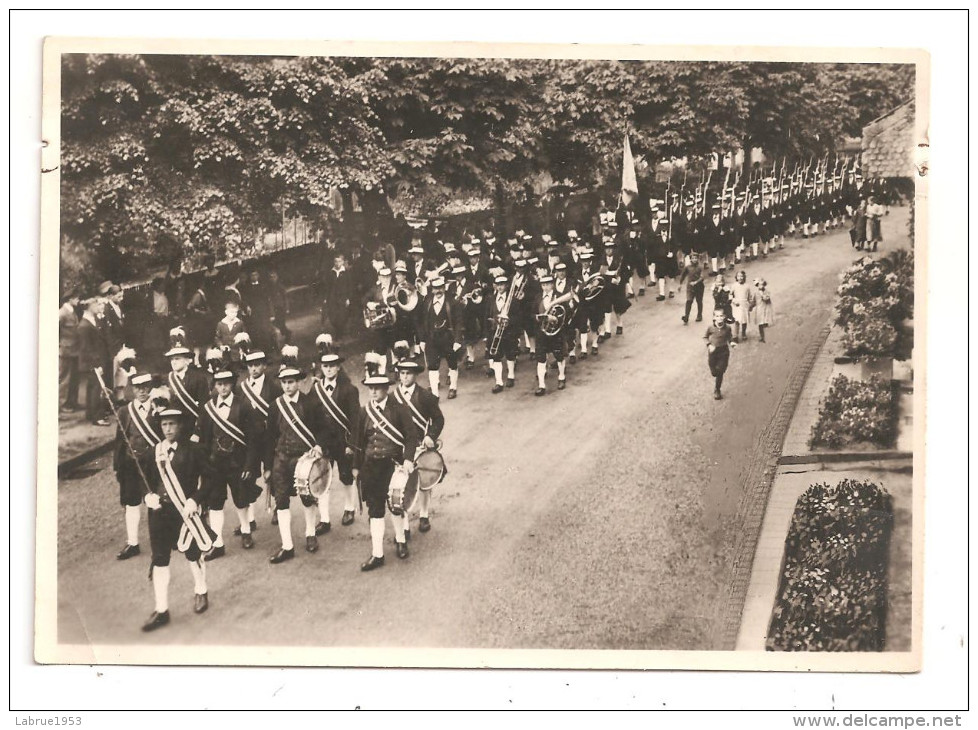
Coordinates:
(759, 480)
(71, 463)
(834, 457)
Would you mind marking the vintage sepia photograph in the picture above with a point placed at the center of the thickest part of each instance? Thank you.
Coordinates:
(458, 355)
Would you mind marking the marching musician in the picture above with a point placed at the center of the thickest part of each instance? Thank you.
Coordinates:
(441, 337)
(552, 343)
(426, 420)
(259, 390)
(174, 468)
(565, 285)
(713, 237)
(385, 442)
(665, 266)
(228, 434)
(295, 427)
(613, 267)
(340, 400)
(136, 437)
(189, 386)
(417, 273)
(377, 300)
(406, 325)
(526, 289)
(500, 321)
(474, 286)
(590, 312)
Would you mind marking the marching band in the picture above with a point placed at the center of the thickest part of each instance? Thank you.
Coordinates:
(221, 430)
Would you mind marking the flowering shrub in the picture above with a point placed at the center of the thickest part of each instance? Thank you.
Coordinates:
(832, 595)
(875, 296)
(855, 411)
(867, 335)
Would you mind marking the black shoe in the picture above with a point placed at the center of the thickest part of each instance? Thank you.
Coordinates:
(510, 382)
(619, 330)
(156, 620)
(247, 541)
(533, 354)
(641, 292)
(275, 517)
(372, 563)
(561, 384)
(716, 395)
(489, 372)
(215, 553)
(685, 320)
(281, 556)
(540, 391)
(322, 528)
(630, 296)
(699, 317)
(572, 359)
(424, 524)
(583, 354)
(672, 295)
(312, 544)
(254, 526)
(497, 388)
(348, 517)
(594, 350)
(129, 551)
(200, 602)
(660, 298)
(452, 394)
(402, 549)
(468, 366)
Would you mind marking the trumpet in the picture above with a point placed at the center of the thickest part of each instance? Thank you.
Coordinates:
(472, 297)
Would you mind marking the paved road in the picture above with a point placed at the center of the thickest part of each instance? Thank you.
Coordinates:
(598, 517)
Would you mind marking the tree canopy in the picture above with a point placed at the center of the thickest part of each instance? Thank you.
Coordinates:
(173, 156)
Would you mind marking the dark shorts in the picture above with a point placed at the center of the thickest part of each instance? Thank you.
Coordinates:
(508, 346)
(375, 481)
(283, 478)
(718, 360)
(547, 344)
(165, 524)
(227, 477)
(131, 489)
(441, 346)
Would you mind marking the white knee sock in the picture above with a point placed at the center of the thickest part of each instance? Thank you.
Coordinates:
(753, 248)
(607, 321)
(322, 508)
(245, 522)
(662, 287)
(453, 379)
(377, 526)
(398, 528)
(497, 369)
(312, 519)
(765, 247)
(511, 369)
(251, 512)
(161, 587)
(561, 367)
(132, 525)
(350, 502)
(424, 502)
(542, 374)
(285, 528)
(199, 571)
(652, 273)
(216, 517)
(617, 320)
(713, 263)
(583, 342)
(470, 355)
(434, 378)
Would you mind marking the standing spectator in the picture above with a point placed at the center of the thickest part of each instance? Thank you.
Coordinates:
(765, 307)
(228, 328)
(156, 334)
(200, 318)
(338, 293)
(113, 327)
(874, 214)
(742, 301)
(92, 354)
(258, 310)
(68, 350)
(857, 231)
(278, 299)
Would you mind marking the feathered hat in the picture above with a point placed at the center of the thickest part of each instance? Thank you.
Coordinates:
(126, 357)
(215, 359)
(160, 398)
(329, 354)
(374, 364)
(401, 350)
(178, 343)
(290, 363)
(249, 353)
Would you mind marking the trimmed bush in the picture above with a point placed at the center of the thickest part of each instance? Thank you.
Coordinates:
(832, 595)
(854, 412)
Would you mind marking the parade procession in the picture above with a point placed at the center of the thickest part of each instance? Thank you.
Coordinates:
(503, 346)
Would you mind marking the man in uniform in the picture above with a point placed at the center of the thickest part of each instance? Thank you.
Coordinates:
(500, 316)
(386, 442)
(174, 468)
(476, 280)
(189, 386)
(295, 426)
(378, 299)
(614, 268)
(136, 437)
(547, 344)
(441, 337)
(228, 432)
(340, 401)
(426, 420)
(590, 312)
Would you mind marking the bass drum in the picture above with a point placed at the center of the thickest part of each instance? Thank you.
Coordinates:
(313, 477)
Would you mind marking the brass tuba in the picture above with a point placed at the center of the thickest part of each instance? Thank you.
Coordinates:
(378, 316)
(406, 297)
(593, 287)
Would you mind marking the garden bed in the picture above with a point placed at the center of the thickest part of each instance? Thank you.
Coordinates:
(832, 594)
(856, 413)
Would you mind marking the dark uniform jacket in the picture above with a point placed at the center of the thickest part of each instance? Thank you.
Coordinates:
(372, 444)
(346, 398)
(448, 320)
(196, 387)
(428, 416)
(218, 446)
(92, 351)
(188, 463)
(281, 437)
(122, 461)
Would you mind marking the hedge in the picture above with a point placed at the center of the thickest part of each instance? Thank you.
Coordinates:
(832, 594)
(856, 411)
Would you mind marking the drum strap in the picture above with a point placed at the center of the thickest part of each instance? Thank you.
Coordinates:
(383, 424)
(257, 402)
(331, 406)
(193, 527)
(420, 421)
(145, 430)
(224, 424)
(184, 395)
(301, 429)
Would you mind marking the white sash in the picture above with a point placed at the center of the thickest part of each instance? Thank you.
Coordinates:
(193, 527)
(382, 423)
(257, 402)
(420, 421)
(332, 408)
(301, 429)
(145, 430)
(224, 424)
(183, 394)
